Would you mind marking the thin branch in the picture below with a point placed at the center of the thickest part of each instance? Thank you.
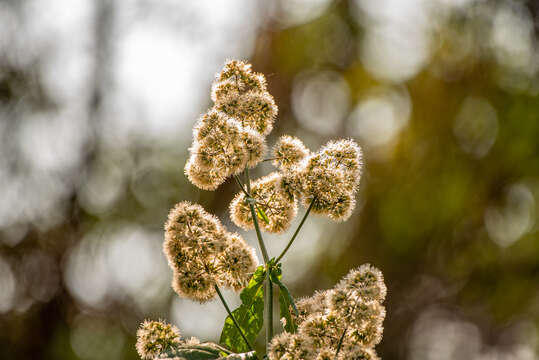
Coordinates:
(268, 293)
(296, 232)
(339, 345)
(340, 342)
(233, 318)
(252, 202)
(238, 181)
(269, 315)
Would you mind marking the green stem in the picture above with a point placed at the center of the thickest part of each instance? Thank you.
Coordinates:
(257, 229)
(340, 342)
(251, 202)
(269, 312)
(241, 186)
(296, 232)
(346, 328)
(232, 317)
(268, 293)
(247, 180)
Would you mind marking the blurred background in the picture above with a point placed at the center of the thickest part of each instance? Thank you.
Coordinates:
(97, 101)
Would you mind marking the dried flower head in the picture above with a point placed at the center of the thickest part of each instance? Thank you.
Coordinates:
(357, 353)
(236, 263)
(329, 178)
(326, 354)
(288, 151)
(196, 246)
(315, 304)
(205, 179)
(241, 75)
(255, 147)
(221, 148)
(241, 93)
(301, 347)
(270, 199)
(367, 281)
(155, 338)
(279, 346)
(346, 320)
(195, 285)
(230, 136)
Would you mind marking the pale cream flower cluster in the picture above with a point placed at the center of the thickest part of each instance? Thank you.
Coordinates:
(351, 314)
(231, 135)
(155, 338)
(328, 178)
(279, 207)
(341, 323)
(160, 340)
(203, 254)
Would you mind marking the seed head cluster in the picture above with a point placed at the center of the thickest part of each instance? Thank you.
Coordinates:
(288, 151)
(231, 135)
(328, 178)
(203, 254)
(159, 340)
(155, 338)
(341, 323)
(279, 207)
(351, 314)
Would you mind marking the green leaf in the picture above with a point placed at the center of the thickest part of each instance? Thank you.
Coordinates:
(284, 307)
(262, 215)
(249, 315)
(286, 301)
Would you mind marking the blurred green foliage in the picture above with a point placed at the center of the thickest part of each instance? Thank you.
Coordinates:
(448, 213)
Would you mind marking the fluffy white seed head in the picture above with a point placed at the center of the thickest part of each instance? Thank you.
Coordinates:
(353, 308)
(279, 208)
(236, 263)
(288, 151)
(329, 177)
(231, 136)
(155, 338)
(367, 281)
(203, 254)
(357, 352)
(255, 147)
(240, 74)
(255, 110)
(326, 354)
(203, 178)
(242, 94)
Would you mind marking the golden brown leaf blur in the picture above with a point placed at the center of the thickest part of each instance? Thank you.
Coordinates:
(97, 102)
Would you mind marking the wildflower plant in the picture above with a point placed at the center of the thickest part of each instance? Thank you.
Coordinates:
(344, 322)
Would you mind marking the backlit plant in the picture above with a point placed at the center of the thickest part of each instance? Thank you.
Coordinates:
(344, 322)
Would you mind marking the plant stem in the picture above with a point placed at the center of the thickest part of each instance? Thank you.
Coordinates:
(268, 293)
(241, 186)
(251, 202)
(340, 342)
(269, 313)
(233, 318)
(345, 329)
(247, 180)
(296, 232)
